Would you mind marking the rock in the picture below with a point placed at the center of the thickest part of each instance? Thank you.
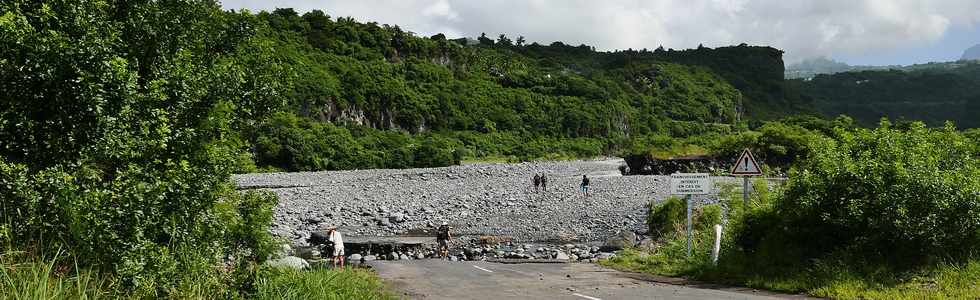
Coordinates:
(647, 244)
(622, 240)
(419, 256)
(355, 257)
(291, 262)
(403, 257)
(397, 218)
(573, 257)
(562, 256)
(284, 250)
(369, 258)
(319, 238)
(605, 255)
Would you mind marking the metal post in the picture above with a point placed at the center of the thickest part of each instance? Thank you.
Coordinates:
(689, 225)
(745, 190)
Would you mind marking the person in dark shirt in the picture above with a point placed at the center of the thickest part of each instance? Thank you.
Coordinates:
(537, 182)
(442, 237)
(585, 185)
(544, 182)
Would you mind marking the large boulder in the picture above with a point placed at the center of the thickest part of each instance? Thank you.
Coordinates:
(319, 238)
(290, 262)
(623, 239)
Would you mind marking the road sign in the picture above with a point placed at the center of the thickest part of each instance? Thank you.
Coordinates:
(690, 184)
(746, 165)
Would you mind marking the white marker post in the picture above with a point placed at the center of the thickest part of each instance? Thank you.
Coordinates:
(746, 166)
(690, 184)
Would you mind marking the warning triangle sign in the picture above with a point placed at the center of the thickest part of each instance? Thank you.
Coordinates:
(746, 165)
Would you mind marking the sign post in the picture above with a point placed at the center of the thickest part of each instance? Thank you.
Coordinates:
(689, 184)
(746, 166)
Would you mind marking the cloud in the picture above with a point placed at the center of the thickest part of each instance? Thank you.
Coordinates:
(802, 28)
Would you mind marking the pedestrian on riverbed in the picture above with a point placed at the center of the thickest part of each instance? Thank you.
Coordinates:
(338, 246)
(442, 237)
(537, 182)
(544, 182)
(585, 185)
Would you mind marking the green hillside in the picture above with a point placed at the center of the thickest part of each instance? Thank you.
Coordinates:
(933, 93)
(393, 93)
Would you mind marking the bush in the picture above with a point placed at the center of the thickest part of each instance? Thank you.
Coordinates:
(903, 194)
(666, 216)
(670, 216)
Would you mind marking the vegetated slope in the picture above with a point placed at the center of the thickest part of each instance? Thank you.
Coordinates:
(385, 92)
(934, 95)
(386, 78)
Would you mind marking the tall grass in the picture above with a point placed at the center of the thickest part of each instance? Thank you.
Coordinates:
(319, 283)
(23, 276)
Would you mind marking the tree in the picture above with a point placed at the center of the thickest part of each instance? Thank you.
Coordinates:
(520, 41)
(121, 151)
(484, 40)
(503, 41)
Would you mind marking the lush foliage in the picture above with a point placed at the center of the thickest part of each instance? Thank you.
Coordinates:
(120, 125)
(869, 213)
(903, 193)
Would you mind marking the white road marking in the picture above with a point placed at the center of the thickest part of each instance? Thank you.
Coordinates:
(478, 267)
(586, 297)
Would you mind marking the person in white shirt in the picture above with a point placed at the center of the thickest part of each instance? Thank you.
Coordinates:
(338, 246)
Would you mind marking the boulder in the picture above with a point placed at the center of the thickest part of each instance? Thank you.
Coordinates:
(605, 255)
(355, 257)
(291, 262)
(397, 218)
(319, 238)
(562, 256)
(369, 258)
(623, 239)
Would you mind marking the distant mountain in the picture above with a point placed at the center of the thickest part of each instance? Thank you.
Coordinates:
(972, 53)
(822, 65)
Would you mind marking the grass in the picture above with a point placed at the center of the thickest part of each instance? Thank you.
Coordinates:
(24, 276)
(320, 283)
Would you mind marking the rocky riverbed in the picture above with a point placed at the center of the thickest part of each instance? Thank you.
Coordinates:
(484, 199)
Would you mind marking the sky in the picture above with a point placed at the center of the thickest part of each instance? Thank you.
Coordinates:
(858, 32)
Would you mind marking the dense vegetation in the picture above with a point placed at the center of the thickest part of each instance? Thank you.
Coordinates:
(867, 213)
(121, 126)
(933, 93)
(396, 92)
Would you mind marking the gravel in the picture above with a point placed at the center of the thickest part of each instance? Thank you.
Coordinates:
(484, 199)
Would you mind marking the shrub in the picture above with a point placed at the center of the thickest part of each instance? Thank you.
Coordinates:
(665, 216)
(670, 216)
(904, 194)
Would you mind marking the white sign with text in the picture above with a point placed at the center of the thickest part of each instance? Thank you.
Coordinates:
(690, 184)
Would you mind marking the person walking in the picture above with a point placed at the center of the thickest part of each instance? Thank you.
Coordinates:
(544, 182)
(537, 182)
(442, 237)
(585, 185)
(338, 246)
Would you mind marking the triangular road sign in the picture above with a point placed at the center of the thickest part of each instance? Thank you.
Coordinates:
(746, 165)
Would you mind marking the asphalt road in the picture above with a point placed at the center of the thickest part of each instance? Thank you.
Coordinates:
(437, 279)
